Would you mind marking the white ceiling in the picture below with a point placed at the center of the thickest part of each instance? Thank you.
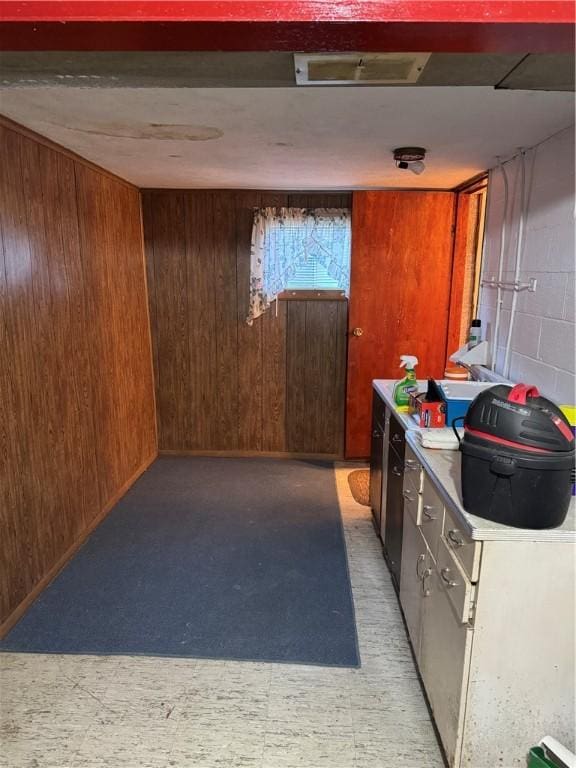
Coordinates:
(289, 138)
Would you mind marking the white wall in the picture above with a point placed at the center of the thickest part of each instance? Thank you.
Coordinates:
(543, 340)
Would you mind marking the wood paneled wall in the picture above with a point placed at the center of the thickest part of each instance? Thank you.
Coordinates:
(76, 386)
(221, 385)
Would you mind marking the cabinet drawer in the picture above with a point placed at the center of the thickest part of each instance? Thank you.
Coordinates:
(431, 516)
(413, 470)
(412, 501)
(466, 550)
(454, 581)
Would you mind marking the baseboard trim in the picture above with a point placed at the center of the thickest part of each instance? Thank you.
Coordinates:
(255, 454)
(23, 606)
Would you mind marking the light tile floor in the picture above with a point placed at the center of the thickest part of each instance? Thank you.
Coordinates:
(136, 712)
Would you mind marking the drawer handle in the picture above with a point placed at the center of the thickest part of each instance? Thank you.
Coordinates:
(426, 510)
(376, 433)
(396, 471)
(407, 495)
(425, 575)
(396, 438)
(445, 573)
(455, 539)
(412, 463)
(419, 560)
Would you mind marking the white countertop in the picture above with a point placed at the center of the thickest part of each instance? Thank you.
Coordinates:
(444, 470)
(385, 388)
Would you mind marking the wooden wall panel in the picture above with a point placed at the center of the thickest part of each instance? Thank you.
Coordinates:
(316, 355)
(114, 272)
(150, 282)
(76, 378)
(201, 368)
(274, 381)
(296, 392)
(22, 478)
(248, 388)
(250, 374)
(225, 328)
(170, 310)
(329, 352)
(274, 384)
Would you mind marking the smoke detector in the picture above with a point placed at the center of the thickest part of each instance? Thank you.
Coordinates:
(359, 68)
(410, 159)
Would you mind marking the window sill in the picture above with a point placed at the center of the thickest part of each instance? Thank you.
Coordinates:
(312, 296)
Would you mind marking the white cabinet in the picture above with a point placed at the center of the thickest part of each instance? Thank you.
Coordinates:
(435, 596)
(492, 627)
(444, 658)
(521, 679)
(416, 563)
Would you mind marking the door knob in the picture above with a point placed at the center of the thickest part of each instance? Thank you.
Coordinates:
(357, 332)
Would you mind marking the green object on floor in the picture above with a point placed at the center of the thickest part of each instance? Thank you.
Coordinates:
(537, 759)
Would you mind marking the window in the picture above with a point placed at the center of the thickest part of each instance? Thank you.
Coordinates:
(313, 276)
(298, 249)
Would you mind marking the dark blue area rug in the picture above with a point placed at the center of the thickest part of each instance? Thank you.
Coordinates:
(211, 558)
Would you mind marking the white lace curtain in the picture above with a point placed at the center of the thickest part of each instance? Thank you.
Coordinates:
(284, 238)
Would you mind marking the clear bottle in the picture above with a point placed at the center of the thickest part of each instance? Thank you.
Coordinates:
(475, 333)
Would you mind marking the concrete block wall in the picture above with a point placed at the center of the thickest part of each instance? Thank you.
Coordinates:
(543, 338)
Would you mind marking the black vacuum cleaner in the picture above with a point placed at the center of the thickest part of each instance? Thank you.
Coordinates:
(517, 458)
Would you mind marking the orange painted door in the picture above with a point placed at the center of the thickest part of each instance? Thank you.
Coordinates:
(399, 295)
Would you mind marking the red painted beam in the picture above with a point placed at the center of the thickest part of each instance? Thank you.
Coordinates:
(468, 26)
(456, 11)
(239, 36)
(221, 36)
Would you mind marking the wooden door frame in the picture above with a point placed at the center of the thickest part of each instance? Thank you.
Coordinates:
(462, 213)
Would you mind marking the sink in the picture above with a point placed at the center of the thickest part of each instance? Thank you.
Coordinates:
(463, 390)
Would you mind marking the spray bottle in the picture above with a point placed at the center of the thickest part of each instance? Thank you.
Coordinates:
(408, 384)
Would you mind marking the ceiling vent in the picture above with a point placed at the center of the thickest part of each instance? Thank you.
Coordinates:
(359, 68)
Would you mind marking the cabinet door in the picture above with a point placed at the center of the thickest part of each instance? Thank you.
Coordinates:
(376, 454)
(394, 514)
(414, 573)
(386, 450)
(397, 437)
(444, 663)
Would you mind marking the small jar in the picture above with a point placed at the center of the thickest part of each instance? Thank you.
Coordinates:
(475, 333)
(456, 373)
